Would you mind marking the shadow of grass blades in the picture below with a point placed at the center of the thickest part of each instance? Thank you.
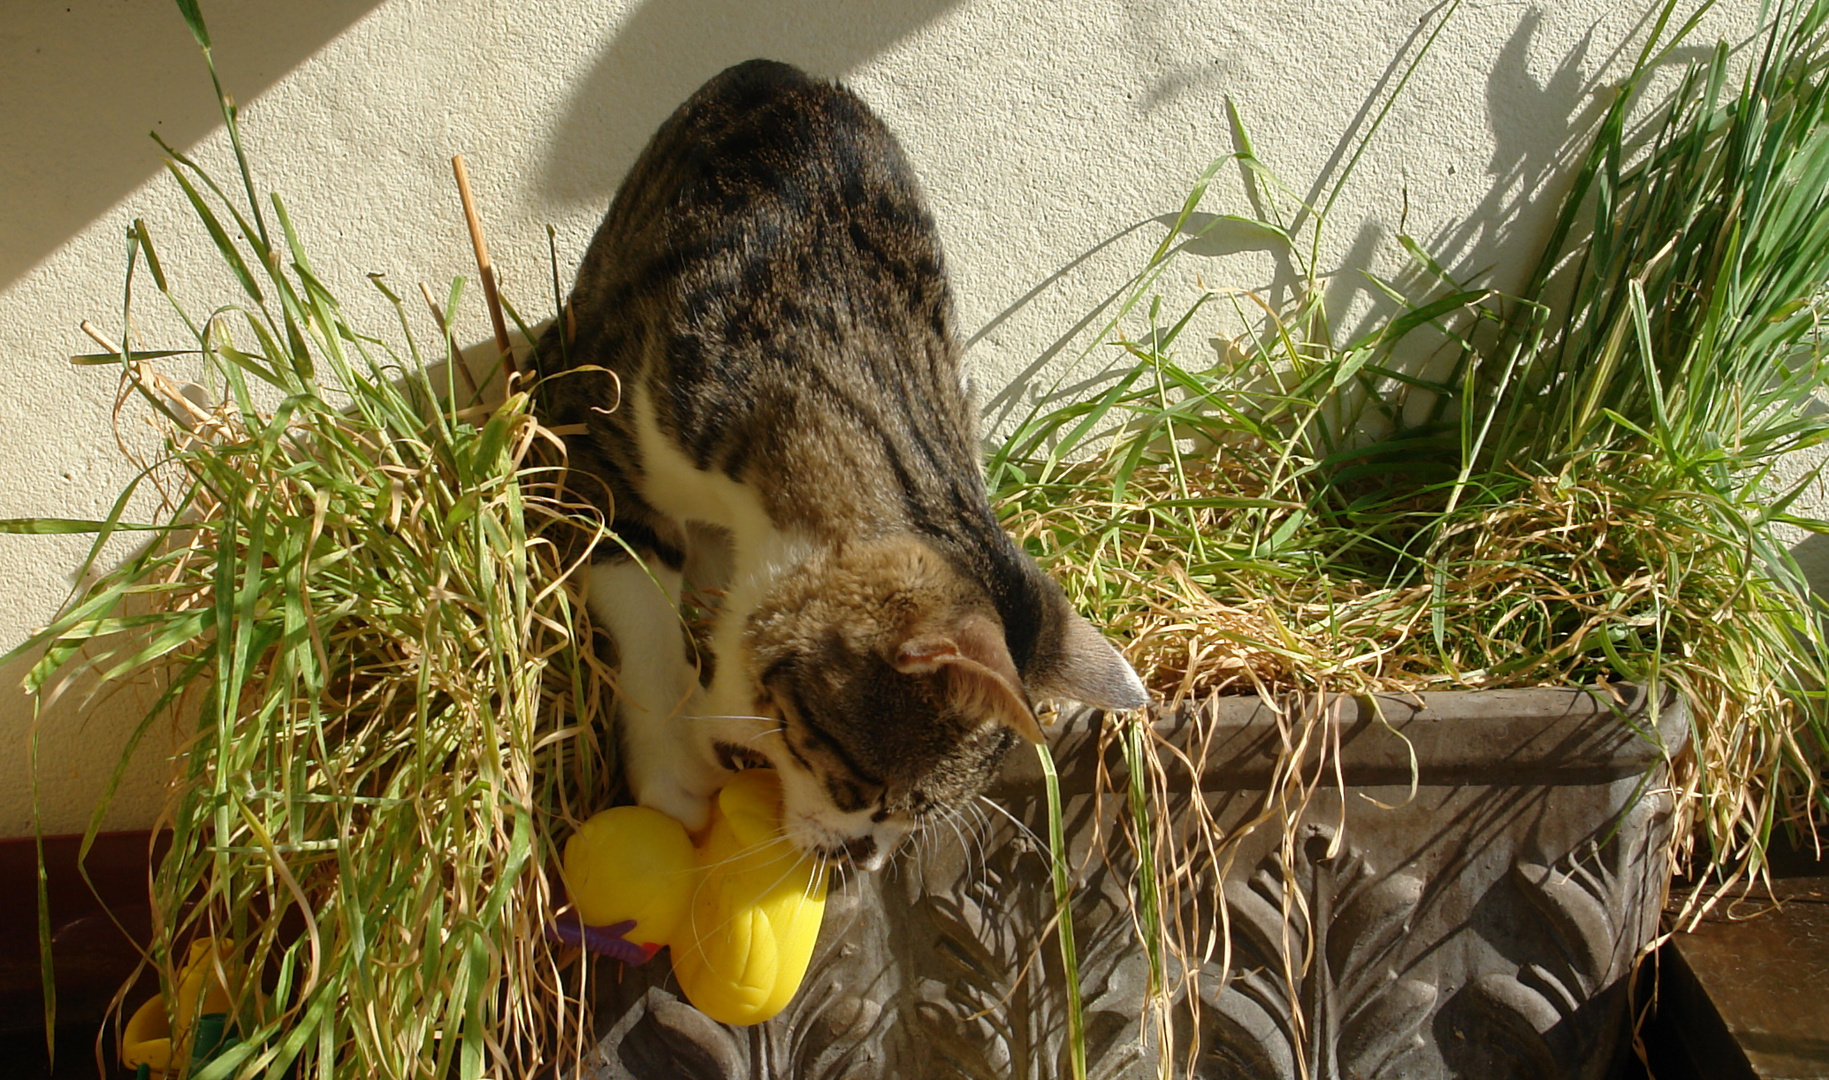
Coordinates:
(1587, 490)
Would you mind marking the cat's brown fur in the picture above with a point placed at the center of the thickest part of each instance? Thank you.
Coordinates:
(767, 299)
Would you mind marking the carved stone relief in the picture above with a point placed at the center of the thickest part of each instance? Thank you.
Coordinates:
(1473, 918)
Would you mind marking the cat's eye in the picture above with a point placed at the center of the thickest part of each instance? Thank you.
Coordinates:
(849, 797)
(850, 788)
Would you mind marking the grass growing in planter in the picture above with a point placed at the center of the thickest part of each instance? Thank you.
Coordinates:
(347, 586)
(1588, 493)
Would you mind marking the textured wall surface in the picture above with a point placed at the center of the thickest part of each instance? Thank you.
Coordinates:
(1051, 137)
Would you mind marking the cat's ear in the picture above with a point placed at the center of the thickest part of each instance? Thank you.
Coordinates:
(1085, 668)
(980, 674)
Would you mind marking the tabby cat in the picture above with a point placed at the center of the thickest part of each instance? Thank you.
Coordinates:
(768, 377)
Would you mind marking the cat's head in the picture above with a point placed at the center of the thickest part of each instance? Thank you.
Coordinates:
(899, 690)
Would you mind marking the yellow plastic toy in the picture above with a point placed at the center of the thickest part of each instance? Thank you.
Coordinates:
(202, 1002)
(741, 910)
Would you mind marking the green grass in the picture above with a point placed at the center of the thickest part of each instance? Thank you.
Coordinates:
(349, 589)
(1587, 494)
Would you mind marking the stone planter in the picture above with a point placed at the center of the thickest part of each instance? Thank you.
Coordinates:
(1480, 926)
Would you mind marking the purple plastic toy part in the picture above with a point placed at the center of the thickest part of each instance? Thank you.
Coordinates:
(611, 940)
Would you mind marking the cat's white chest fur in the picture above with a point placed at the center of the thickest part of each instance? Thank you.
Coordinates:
(686, 493)
(670, 723)
(678, 488)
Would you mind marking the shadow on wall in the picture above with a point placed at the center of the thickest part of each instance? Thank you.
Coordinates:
(1812, 555)
(85, 732)
(1526, 116)
(1540, 130)
(667, 48)
(65, 72)
(1219, 232)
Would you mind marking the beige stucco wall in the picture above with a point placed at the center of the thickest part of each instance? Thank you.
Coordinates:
(1048, 136)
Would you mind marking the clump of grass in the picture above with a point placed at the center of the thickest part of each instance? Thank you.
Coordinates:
(349, 586)
(1587, 494)
(1690, 360)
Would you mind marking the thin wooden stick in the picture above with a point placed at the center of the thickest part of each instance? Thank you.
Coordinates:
(98, 337)
(483, 267)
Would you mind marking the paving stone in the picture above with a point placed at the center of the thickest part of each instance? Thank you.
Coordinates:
(1748, 990)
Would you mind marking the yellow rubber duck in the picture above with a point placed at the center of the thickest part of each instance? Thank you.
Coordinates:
(740, 910)
(201, 1005)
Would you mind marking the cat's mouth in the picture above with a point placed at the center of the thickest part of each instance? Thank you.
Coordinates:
(737, 758)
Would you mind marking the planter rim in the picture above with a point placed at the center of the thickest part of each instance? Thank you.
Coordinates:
(1532, 736)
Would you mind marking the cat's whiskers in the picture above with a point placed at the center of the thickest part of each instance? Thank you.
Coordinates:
(1022, 828)
(844, 872)
(739, 855)
(847, 888)
(982, 821)
(734, 857)
(774, 720)
(969, 841)
(840, 876)
(760, 735)
(916, 845)
(929, 837)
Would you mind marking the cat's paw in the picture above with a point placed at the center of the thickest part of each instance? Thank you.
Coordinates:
(685, 804)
